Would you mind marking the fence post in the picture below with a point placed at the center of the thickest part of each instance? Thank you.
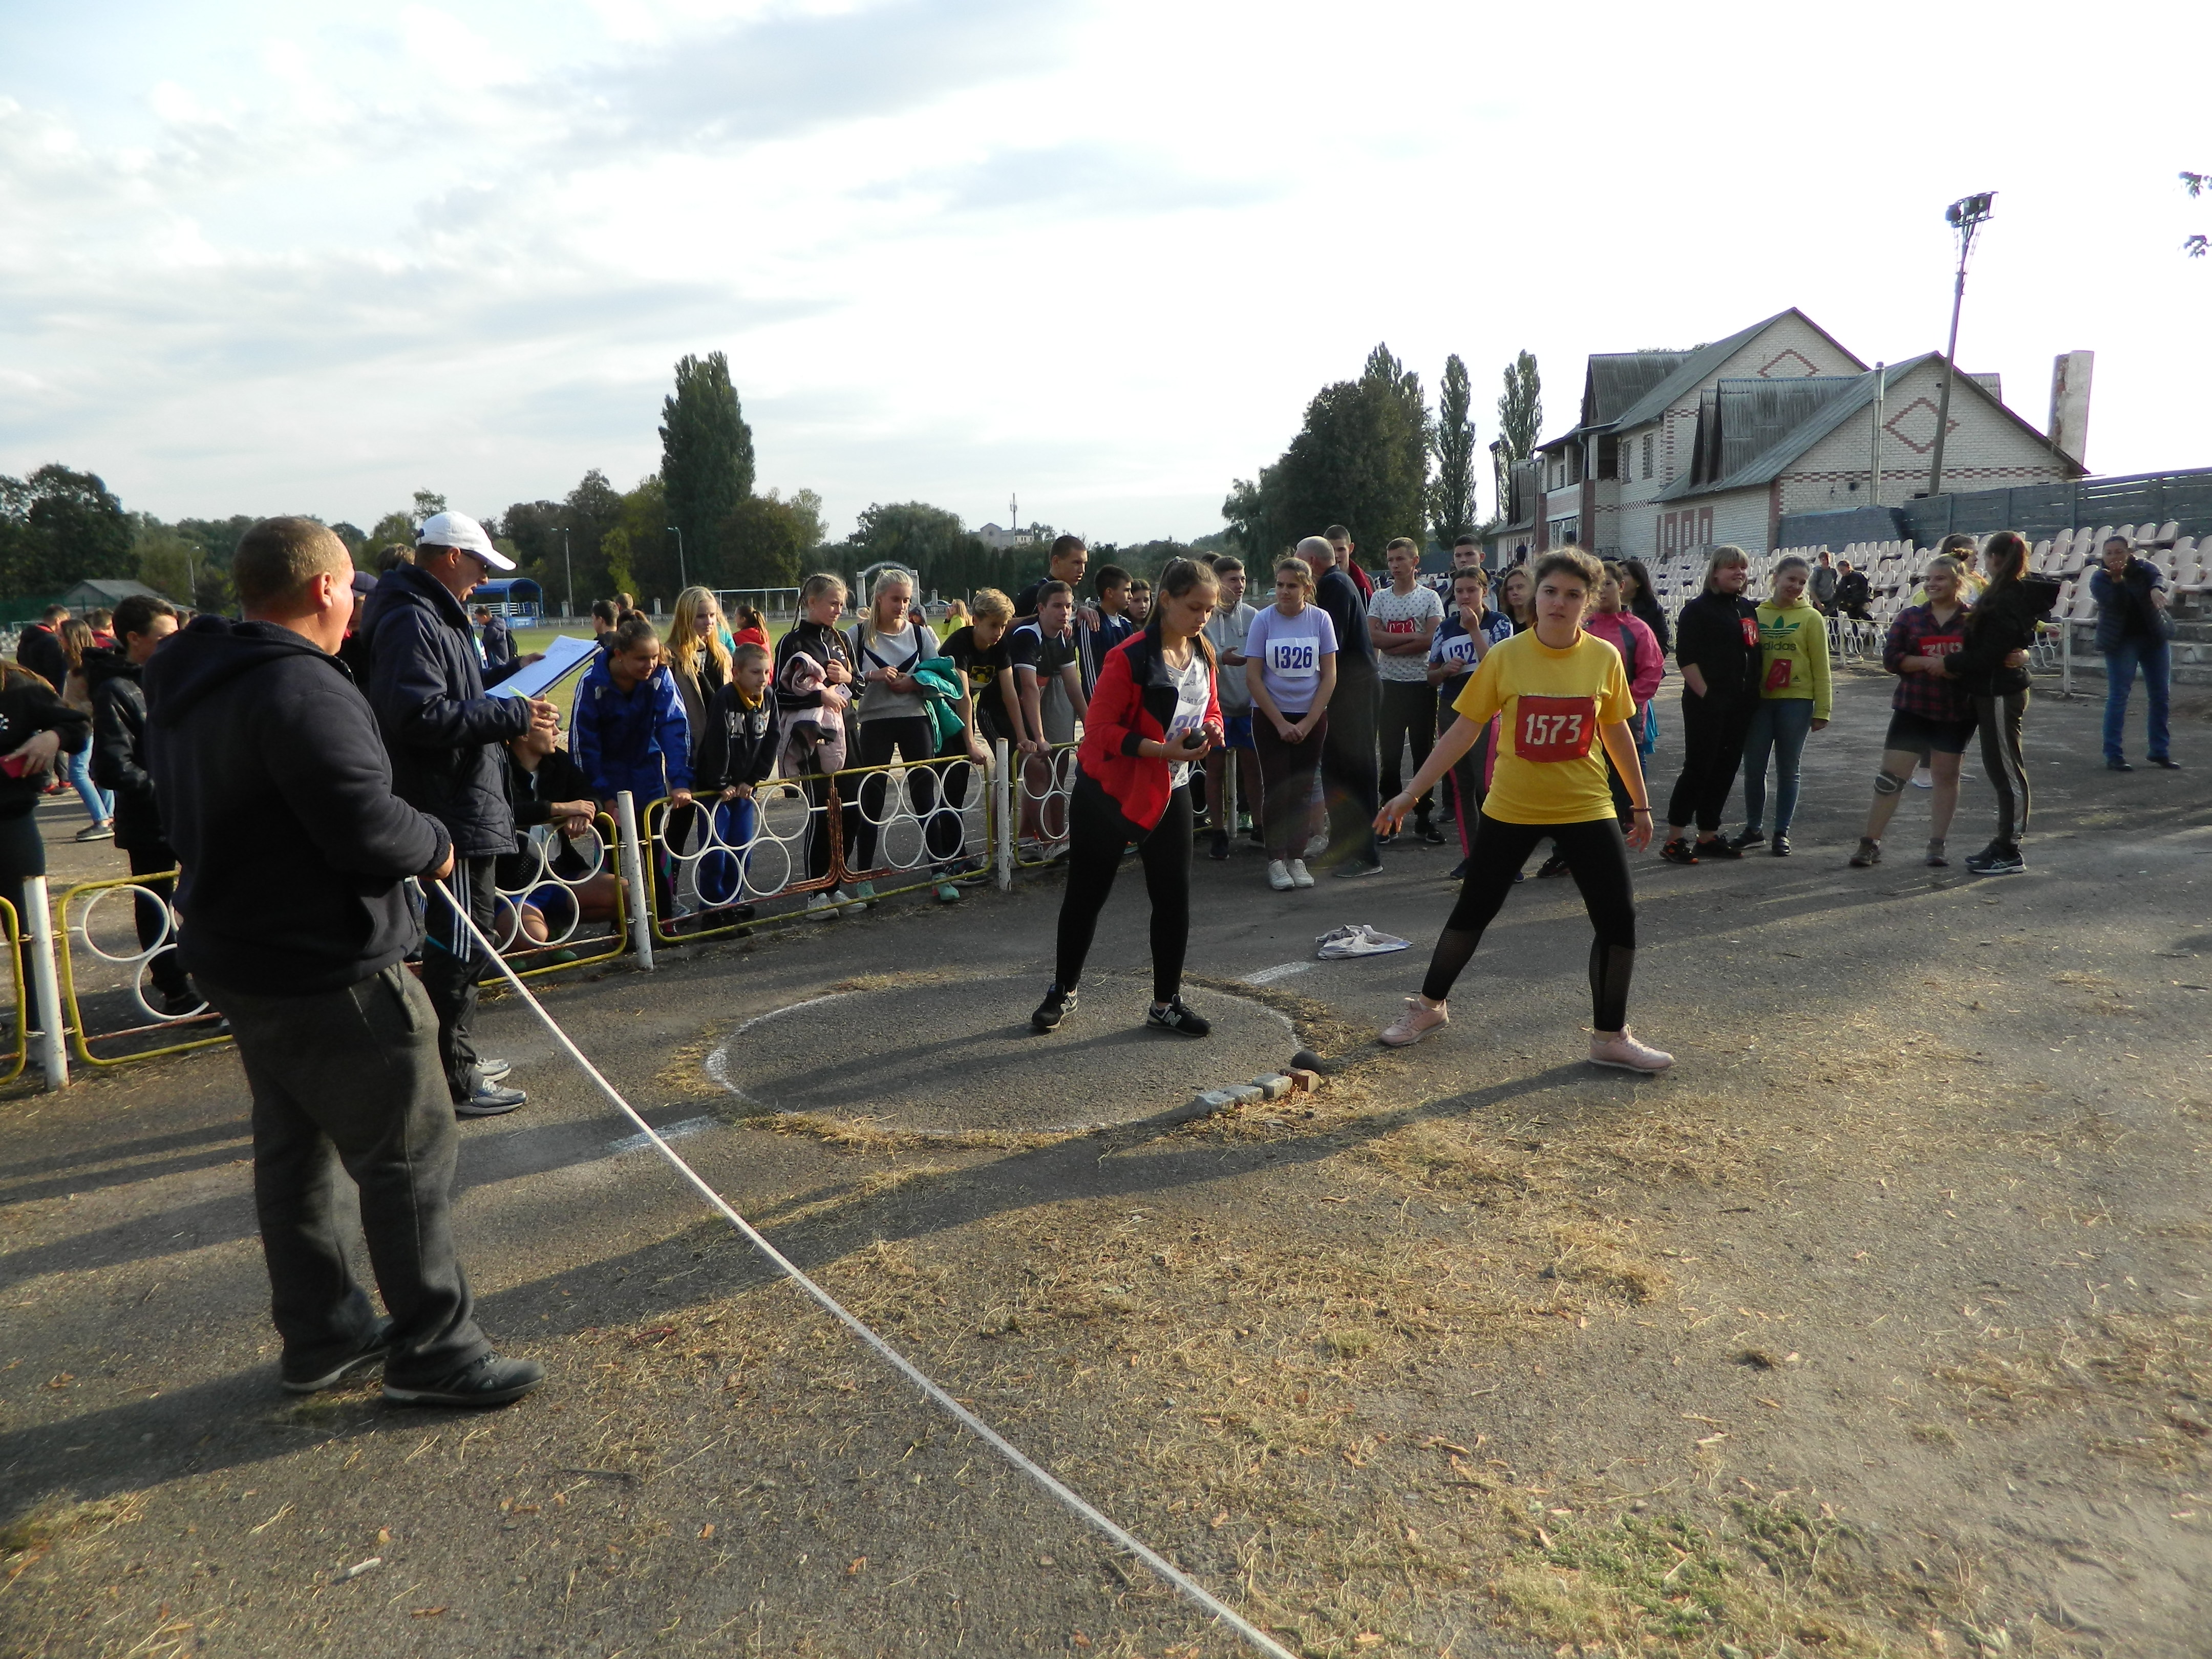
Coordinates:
(1002, 787)
(2066, 658)
(52, 1054)
(633, 875)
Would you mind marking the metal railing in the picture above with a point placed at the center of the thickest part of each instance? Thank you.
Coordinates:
(83, 923)
(538, 919)
(1043, 785)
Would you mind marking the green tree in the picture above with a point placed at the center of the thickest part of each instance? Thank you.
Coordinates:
(1520, 417)
(1351, 463)
(429, 503)
(705, 459)
(1245, 511)
(1387, 370)
(58, 526)
(764, 543)
(638, 552)
(165, 561)
(1451, 498)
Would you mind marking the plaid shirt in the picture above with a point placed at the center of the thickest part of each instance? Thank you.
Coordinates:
(1915, 633)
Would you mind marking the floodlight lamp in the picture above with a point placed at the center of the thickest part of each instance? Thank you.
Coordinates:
(1969, 210)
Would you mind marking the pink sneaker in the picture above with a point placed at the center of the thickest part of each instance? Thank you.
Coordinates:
(1417, 1021)
(1623, 1050)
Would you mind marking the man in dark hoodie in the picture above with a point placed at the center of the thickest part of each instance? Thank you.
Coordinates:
(276, 792)
(143, 621)
(427, 683)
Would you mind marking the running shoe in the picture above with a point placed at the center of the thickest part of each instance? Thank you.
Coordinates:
(491, 1381)
(1923, 778)
(1386, 837)
(1780, 847)
(863, 898)
(491, 1071)
(1937, 858)
(96, 832)
(1553, 866)
(367, 1353)
(1867, 856)
(1458, 871)
(489, 1100)
(1997, 861)
(1300, 876)
(1749, 839)
(1057, 1005)
(825, 907)
(1351, 869)
(947, 893)
(1175, 1017)
(1279, 875)
(1622, 1051)
(1357, 939)
(1679, 852)
(1720, 846)
(1219, 850)
(1431, 834)
(1417, 1021)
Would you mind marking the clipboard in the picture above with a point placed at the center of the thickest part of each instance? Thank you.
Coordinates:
(563, 658)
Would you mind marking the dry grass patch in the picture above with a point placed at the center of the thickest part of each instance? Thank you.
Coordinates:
(802, 1208)
(59, 1520)
(873, 1135)
(1602, 1256)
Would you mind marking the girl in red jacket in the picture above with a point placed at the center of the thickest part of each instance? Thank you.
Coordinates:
(1153, 714)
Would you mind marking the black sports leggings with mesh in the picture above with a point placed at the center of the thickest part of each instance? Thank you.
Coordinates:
(1596, 856)
(1096, 834)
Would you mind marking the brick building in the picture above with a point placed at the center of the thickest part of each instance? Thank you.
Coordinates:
(1678, 450)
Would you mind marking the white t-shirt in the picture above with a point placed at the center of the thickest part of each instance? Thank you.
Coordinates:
(1191, 685)
(1402, 614)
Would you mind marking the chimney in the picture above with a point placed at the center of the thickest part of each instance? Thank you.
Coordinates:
(2070, 373)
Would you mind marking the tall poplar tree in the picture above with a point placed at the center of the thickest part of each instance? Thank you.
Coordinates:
(705, 462)
(1520, 418)
(1451, 498)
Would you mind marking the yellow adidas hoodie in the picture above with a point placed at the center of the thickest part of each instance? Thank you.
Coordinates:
(1793, 654)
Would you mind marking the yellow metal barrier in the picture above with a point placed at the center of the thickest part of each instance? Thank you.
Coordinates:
(14, 937)
(68, 929)
(547, 846)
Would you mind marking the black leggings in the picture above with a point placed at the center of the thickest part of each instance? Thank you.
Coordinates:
(2000, 718)
(1597, 857)
(1712, 748)
(915, 736)
(1097, 833)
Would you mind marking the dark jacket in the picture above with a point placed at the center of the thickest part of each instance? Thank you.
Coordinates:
(118, 748)
(1336, 594)
(2124, 607)
(28, 706)
(428, 689)
(2002, 620)
(498, 643)
(737, 744)
(276, 791)
(1717, 634)
(39, 650)
(1853, 590)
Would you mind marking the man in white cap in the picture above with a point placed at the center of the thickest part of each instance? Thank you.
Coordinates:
(445, 736)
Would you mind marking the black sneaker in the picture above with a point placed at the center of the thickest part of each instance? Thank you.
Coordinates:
(1220, 848)
(177, 1003)
(368, 1355)
(1431, 834)
(1553, 866)
(1351, 869)
(2116, 765)
(1459, 870)
(490, 1381)
(1679, 852)
(1178, 1018)
(1720, 846)
(2166, 763)
(1749, 839)
(489, 1100)
(1997, 861)
(1386, 837)
(1780, 845)
(1057, 1005)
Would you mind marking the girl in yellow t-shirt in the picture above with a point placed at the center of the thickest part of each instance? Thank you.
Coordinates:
(1564, 706)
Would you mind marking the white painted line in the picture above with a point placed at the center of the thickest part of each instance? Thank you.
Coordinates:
(1282, 970)
(684, 1131)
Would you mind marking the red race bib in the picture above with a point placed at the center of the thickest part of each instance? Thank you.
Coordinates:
(1750, 629)
(1941, 645)
(1553, 728)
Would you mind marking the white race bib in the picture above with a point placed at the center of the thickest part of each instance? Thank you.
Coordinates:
(1295, 659)
(1459, 648)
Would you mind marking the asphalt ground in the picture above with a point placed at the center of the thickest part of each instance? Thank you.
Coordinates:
(1878, 1326)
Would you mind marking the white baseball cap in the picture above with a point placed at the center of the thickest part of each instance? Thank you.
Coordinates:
(459, 529)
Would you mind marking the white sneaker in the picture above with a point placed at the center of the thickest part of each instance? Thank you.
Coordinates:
(822, 907)
(1357, 939)
(1298, 876)
(1622, 1051)
(1279, 875)
(1418, 1020)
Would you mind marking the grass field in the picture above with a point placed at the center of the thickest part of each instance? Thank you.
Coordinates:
(527, 640)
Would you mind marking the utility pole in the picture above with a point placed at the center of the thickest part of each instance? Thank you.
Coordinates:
(1874, 440)
(1966, 215)
(568, 567)
(683, 580)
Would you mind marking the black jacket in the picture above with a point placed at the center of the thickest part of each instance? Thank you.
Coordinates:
(1336, 594)
(1853, 590)
(2124, 609)
(736, 744)
(445, 734)
(118, 748)
(276, 792)
(1717, 634)
(39, 650)
(498, 643)
(28, 706)
(2002, 620)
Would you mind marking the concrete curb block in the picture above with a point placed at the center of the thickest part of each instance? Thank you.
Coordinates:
(1275, 1086)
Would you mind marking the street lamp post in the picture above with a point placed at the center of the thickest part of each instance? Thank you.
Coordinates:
(1966, 215)
(570, 569)
(683, 579)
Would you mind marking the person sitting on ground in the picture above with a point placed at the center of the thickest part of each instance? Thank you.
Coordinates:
(1561, 694)
(120, 766)
(550, 791)
(1932, 714)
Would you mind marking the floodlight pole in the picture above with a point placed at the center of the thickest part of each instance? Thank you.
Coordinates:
(1965, 216)
(570, 569)
(682, 580)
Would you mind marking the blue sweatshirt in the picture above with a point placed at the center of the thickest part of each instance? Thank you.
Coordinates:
(641, 742)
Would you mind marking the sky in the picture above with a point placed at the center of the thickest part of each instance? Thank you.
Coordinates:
(260, 258)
